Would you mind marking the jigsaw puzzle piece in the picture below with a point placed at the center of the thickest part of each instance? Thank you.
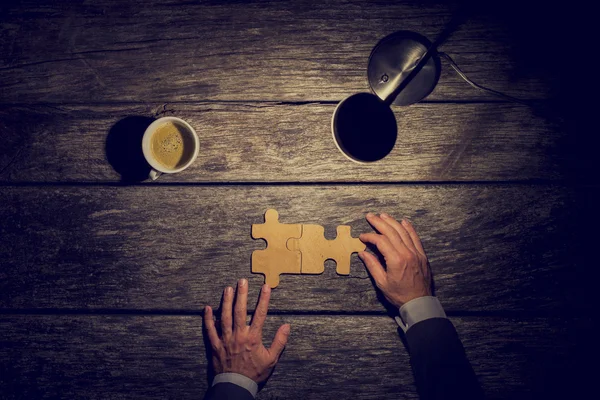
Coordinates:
(276, 259)
(345, 245)
(315, 249)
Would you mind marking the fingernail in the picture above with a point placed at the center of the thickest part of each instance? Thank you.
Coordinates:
(266, 288)
(370, 215)
(404, 222)
(360, 255)
(205, 308)
(286, 329)
(228, 290)
(242, 282)
(384, 215)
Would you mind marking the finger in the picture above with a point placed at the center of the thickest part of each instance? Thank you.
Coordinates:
(386, 230)
(279, 342)
(374, 266)
(211, 330)
(413, 235)
(226, 320)
(260, 314)
(383, 244)
(241, 304)
(406, 238)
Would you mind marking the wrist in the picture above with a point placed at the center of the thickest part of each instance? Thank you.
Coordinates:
(237, 379)
(419, 309)
(400, 301)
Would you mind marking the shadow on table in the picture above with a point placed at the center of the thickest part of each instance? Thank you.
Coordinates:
(124, 148)
(536, 47)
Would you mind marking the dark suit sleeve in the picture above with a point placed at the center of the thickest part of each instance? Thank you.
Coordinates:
(227, 391)
(439, 362)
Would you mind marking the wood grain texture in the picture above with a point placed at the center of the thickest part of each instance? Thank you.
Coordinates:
(270, 142)
(259, 81)
(164, 357)
(492, 248)
(270, 50)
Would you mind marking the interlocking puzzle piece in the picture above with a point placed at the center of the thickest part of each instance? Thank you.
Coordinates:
(315, 249)
(276, 259)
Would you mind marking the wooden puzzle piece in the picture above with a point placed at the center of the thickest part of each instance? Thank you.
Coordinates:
(276, 259)
(315, 249)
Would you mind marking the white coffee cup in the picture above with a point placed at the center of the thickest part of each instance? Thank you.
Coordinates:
(157, 168)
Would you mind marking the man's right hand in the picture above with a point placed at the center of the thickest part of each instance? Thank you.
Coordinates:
(407, 275)
(240, 348)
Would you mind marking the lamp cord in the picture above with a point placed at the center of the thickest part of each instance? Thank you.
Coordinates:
(477, 86)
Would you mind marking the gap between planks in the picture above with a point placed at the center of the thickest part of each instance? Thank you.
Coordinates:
(299, 313)
(529, 182)
(264, 103)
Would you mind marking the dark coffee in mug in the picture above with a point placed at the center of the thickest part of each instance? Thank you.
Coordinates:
(364, 128)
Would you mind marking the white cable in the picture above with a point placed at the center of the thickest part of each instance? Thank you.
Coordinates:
(476, 86)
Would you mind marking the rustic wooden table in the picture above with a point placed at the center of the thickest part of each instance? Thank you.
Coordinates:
(103, 280)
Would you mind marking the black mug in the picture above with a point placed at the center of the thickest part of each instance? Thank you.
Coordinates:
(364, 128)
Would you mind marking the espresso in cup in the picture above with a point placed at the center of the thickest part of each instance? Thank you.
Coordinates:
(172, 145)
(169, 145)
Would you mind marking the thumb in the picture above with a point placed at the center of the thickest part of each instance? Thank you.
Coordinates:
(279, 342)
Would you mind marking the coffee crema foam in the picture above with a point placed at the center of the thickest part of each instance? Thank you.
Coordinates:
(172, 145)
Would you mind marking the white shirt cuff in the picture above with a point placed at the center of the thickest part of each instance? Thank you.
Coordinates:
(237, 379)
(418, 310)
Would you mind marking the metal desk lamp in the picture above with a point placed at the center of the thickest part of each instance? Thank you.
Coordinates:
(403, 69)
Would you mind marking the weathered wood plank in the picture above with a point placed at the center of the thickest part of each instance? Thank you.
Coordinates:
(266, 142)
(57, 51)
(163, 357)
(492, 248)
